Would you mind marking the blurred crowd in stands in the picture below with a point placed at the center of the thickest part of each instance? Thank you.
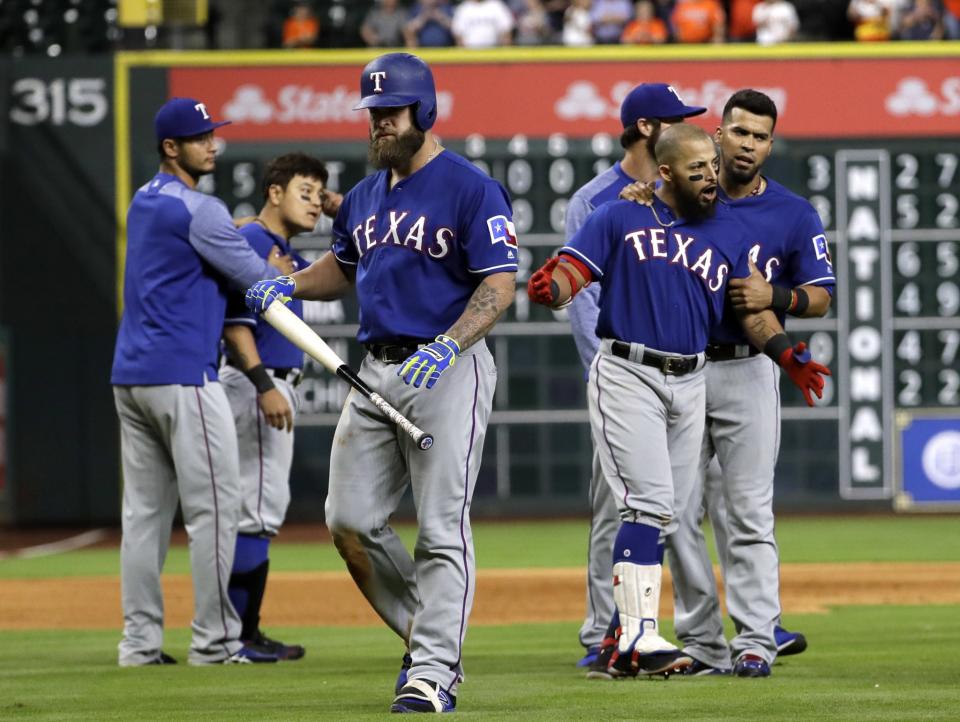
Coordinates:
(55, 26)
(490, 23)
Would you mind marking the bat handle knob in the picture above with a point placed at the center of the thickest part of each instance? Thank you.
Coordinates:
(426, 442)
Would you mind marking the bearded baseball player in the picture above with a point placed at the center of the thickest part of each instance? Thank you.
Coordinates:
(177, 436)
(647, 387)
(260, 378)
(791, 273)
(429, 243)
(647, 110)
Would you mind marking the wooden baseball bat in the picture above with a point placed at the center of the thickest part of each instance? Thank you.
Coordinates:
(306, 339)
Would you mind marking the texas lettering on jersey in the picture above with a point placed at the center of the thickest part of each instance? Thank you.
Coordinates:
(658, 243)
(661, 284)
(411, 233)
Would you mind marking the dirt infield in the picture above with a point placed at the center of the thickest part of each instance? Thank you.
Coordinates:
(503, 596)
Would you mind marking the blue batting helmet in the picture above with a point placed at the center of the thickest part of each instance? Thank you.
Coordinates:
(398, 79)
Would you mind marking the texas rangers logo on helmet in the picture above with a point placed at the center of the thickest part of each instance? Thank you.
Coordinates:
(502, 230)
(376, 77)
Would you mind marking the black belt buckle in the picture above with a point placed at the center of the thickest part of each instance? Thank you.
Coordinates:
(674, 366)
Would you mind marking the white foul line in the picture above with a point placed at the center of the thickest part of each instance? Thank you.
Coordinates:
(69, 544)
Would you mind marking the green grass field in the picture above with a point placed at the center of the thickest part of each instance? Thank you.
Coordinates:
(864, 663)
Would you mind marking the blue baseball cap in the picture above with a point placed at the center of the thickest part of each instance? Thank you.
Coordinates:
(655, 100)
(183, 118)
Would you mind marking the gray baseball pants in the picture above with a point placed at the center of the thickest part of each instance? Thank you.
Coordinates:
(743, 433)
(178, 443)
(425, 598)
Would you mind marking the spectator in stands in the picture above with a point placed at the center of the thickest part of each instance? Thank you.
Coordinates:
(556, 9)
(921, 22)
(482, 24)
(822, 20)
(429, 26)
(646, 28)
(609, 18)
(872, 19)
(776, 22)
(577, 25)
(383, 25)
(533, 25)
(301, 29)
(951, 19)
(698, 21)
(741, 28)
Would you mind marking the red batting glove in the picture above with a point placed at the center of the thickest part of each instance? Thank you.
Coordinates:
(805, 373)
(538, 287)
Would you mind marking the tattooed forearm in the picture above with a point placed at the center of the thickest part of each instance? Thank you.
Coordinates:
(487, 304)
(760, 327)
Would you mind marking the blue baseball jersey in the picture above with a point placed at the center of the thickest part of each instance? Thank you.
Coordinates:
(275, 351)
(660, 285)
(421, 248)
(786, 242)
(585, 308)
(182, 252)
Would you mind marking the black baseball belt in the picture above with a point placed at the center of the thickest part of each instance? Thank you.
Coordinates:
(671, 365)
(291, 375)
(397, 350)
(730, 351)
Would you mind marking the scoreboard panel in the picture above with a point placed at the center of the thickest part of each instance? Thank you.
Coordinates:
(892, 337)
(880, 168)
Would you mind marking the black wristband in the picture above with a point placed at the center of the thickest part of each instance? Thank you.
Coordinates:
(776, 345)
(260, 378)
(782, 298)
(801, 301)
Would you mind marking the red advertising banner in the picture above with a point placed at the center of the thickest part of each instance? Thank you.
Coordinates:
(830, 98)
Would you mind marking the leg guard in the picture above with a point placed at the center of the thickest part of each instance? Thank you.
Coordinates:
(641, 649)
(246, 592)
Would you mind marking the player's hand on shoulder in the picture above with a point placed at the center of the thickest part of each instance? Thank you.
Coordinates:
(804, 372)
(639, 192)
(429, 362)
(752, 293)
(330, 203)
(276, 410)
(261, 294)
(243, 221)
(281, 261)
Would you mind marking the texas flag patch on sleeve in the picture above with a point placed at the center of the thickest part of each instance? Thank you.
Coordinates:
(502, 230)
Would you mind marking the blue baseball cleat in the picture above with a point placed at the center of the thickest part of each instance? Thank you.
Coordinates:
(423, 695)
(590, 656)
(750, 665)
(249, 655)
(700, 669)
(788, 642)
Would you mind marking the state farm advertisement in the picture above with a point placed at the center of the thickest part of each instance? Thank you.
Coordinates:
(830, 98)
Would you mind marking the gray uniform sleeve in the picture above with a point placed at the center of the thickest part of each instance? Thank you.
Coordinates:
(214, 237)
(585, 308)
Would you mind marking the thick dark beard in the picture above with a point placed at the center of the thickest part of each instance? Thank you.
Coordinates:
(689, 207)
(396, 152)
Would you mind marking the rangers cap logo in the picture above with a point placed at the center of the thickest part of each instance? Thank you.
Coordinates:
(376, 77)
